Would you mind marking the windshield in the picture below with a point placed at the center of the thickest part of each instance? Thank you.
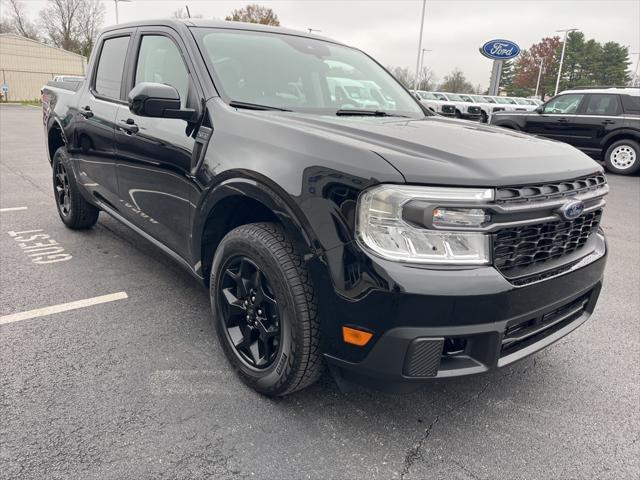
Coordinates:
(300, 74)
(454, 97)
(525, 101)
(505, 101)
(427, 96)
(489, 100)
(466, 98)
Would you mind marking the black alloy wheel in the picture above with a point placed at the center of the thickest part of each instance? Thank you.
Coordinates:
(63, 190)
(250, 312)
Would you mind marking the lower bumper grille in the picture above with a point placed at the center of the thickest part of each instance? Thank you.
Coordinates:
(423, 357)
(532, 244)
(524, 333)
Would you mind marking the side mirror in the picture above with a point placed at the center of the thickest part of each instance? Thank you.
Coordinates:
(539, 109)
(158, 100)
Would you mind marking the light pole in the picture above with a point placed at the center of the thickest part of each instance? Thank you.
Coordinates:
(421, 66)
(539, 75)
(564, 44)
(635, 80)
(424, 6)
(116, 2)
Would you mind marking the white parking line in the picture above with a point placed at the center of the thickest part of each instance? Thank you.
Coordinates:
(63, 307)
(12, 209)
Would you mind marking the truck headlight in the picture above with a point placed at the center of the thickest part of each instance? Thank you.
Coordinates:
(381, 228)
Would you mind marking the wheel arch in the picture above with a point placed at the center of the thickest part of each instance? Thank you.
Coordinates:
(624, 134)
(55, 138)
(243, 199)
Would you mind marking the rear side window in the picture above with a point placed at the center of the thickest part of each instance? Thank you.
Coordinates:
(631, 104)
(110, 67)
(602, 104)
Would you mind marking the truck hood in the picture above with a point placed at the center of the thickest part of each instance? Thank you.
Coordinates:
(435, 150)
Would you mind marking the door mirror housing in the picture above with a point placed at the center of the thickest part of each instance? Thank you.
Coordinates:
(158, 100)
(540, 109)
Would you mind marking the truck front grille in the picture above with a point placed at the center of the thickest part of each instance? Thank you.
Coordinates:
(448, 109)
(550, 191)
(474, 110)
(521, 334)
(524, 246)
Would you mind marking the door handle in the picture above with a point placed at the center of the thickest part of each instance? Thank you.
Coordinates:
(562, 120)
(608, 122)
(129, 126)
(86, 111)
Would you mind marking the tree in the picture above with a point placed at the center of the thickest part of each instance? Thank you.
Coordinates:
(527, 66)
(586, 63)
(90, 19)
(613, 64)
(254, 13)
(60, 23)
(456, 82)
(183, 13)
(72, 24)
(426, 80)
(402, 75)
(17, 21)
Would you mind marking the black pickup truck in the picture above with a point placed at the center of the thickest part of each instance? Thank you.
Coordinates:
(391, 244)
(602, 122)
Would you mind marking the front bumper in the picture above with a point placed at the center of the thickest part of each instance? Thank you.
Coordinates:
(454, 323)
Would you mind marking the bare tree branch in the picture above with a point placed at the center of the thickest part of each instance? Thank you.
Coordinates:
(18, 22)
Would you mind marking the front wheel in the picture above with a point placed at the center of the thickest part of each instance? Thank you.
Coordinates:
(264, 309)
(75, 212)
(623, 157)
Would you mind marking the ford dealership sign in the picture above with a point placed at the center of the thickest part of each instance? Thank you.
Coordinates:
(500, 49)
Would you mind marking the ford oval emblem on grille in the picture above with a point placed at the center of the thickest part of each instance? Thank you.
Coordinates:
(572, 210)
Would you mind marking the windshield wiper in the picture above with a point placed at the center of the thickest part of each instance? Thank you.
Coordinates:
(366, 113)
(255, 106)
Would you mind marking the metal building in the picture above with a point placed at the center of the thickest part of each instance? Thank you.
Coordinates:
(26, 65)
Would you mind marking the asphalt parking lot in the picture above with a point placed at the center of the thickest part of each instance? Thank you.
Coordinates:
(138, 387)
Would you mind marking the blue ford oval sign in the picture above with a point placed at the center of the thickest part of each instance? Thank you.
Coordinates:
(500, 49)
(572, 209)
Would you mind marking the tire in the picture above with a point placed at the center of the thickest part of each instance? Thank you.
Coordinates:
(291, 358)
(623, 157)
(483, 117)
(75, 212)
(458, 114)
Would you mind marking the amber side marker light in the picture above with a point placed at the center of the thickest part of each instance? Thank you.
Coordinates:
(356, 337)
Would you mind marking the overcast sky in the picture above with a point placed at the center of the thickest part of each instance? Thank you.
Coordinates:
(454, 30)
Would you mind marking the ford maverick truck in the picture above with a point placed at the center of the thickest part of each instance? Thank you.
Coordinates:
(389, 244)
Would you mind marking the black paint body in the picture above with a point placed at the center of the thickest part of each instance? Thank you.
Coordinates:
(590, 133)
(307, 171)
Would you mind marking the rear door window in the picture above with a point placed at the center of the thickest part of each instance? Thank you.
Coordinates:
(108, 78)
(602, 104)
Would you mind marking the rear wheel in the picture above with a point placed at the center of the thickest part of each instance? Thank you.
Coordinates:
(265, 310)
(75, 212)
(623, 157)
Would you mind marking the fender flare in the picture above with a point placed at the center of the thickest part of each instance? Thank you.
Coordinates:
(622, 131)
(242, 183)
(51, 123)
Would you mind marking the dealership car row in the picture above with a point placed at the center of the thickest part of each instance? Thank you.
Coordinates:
(473, 107)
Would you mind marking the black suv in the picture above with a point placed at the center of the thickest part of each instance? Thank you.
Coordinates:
(390, 243)
(603, 123)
